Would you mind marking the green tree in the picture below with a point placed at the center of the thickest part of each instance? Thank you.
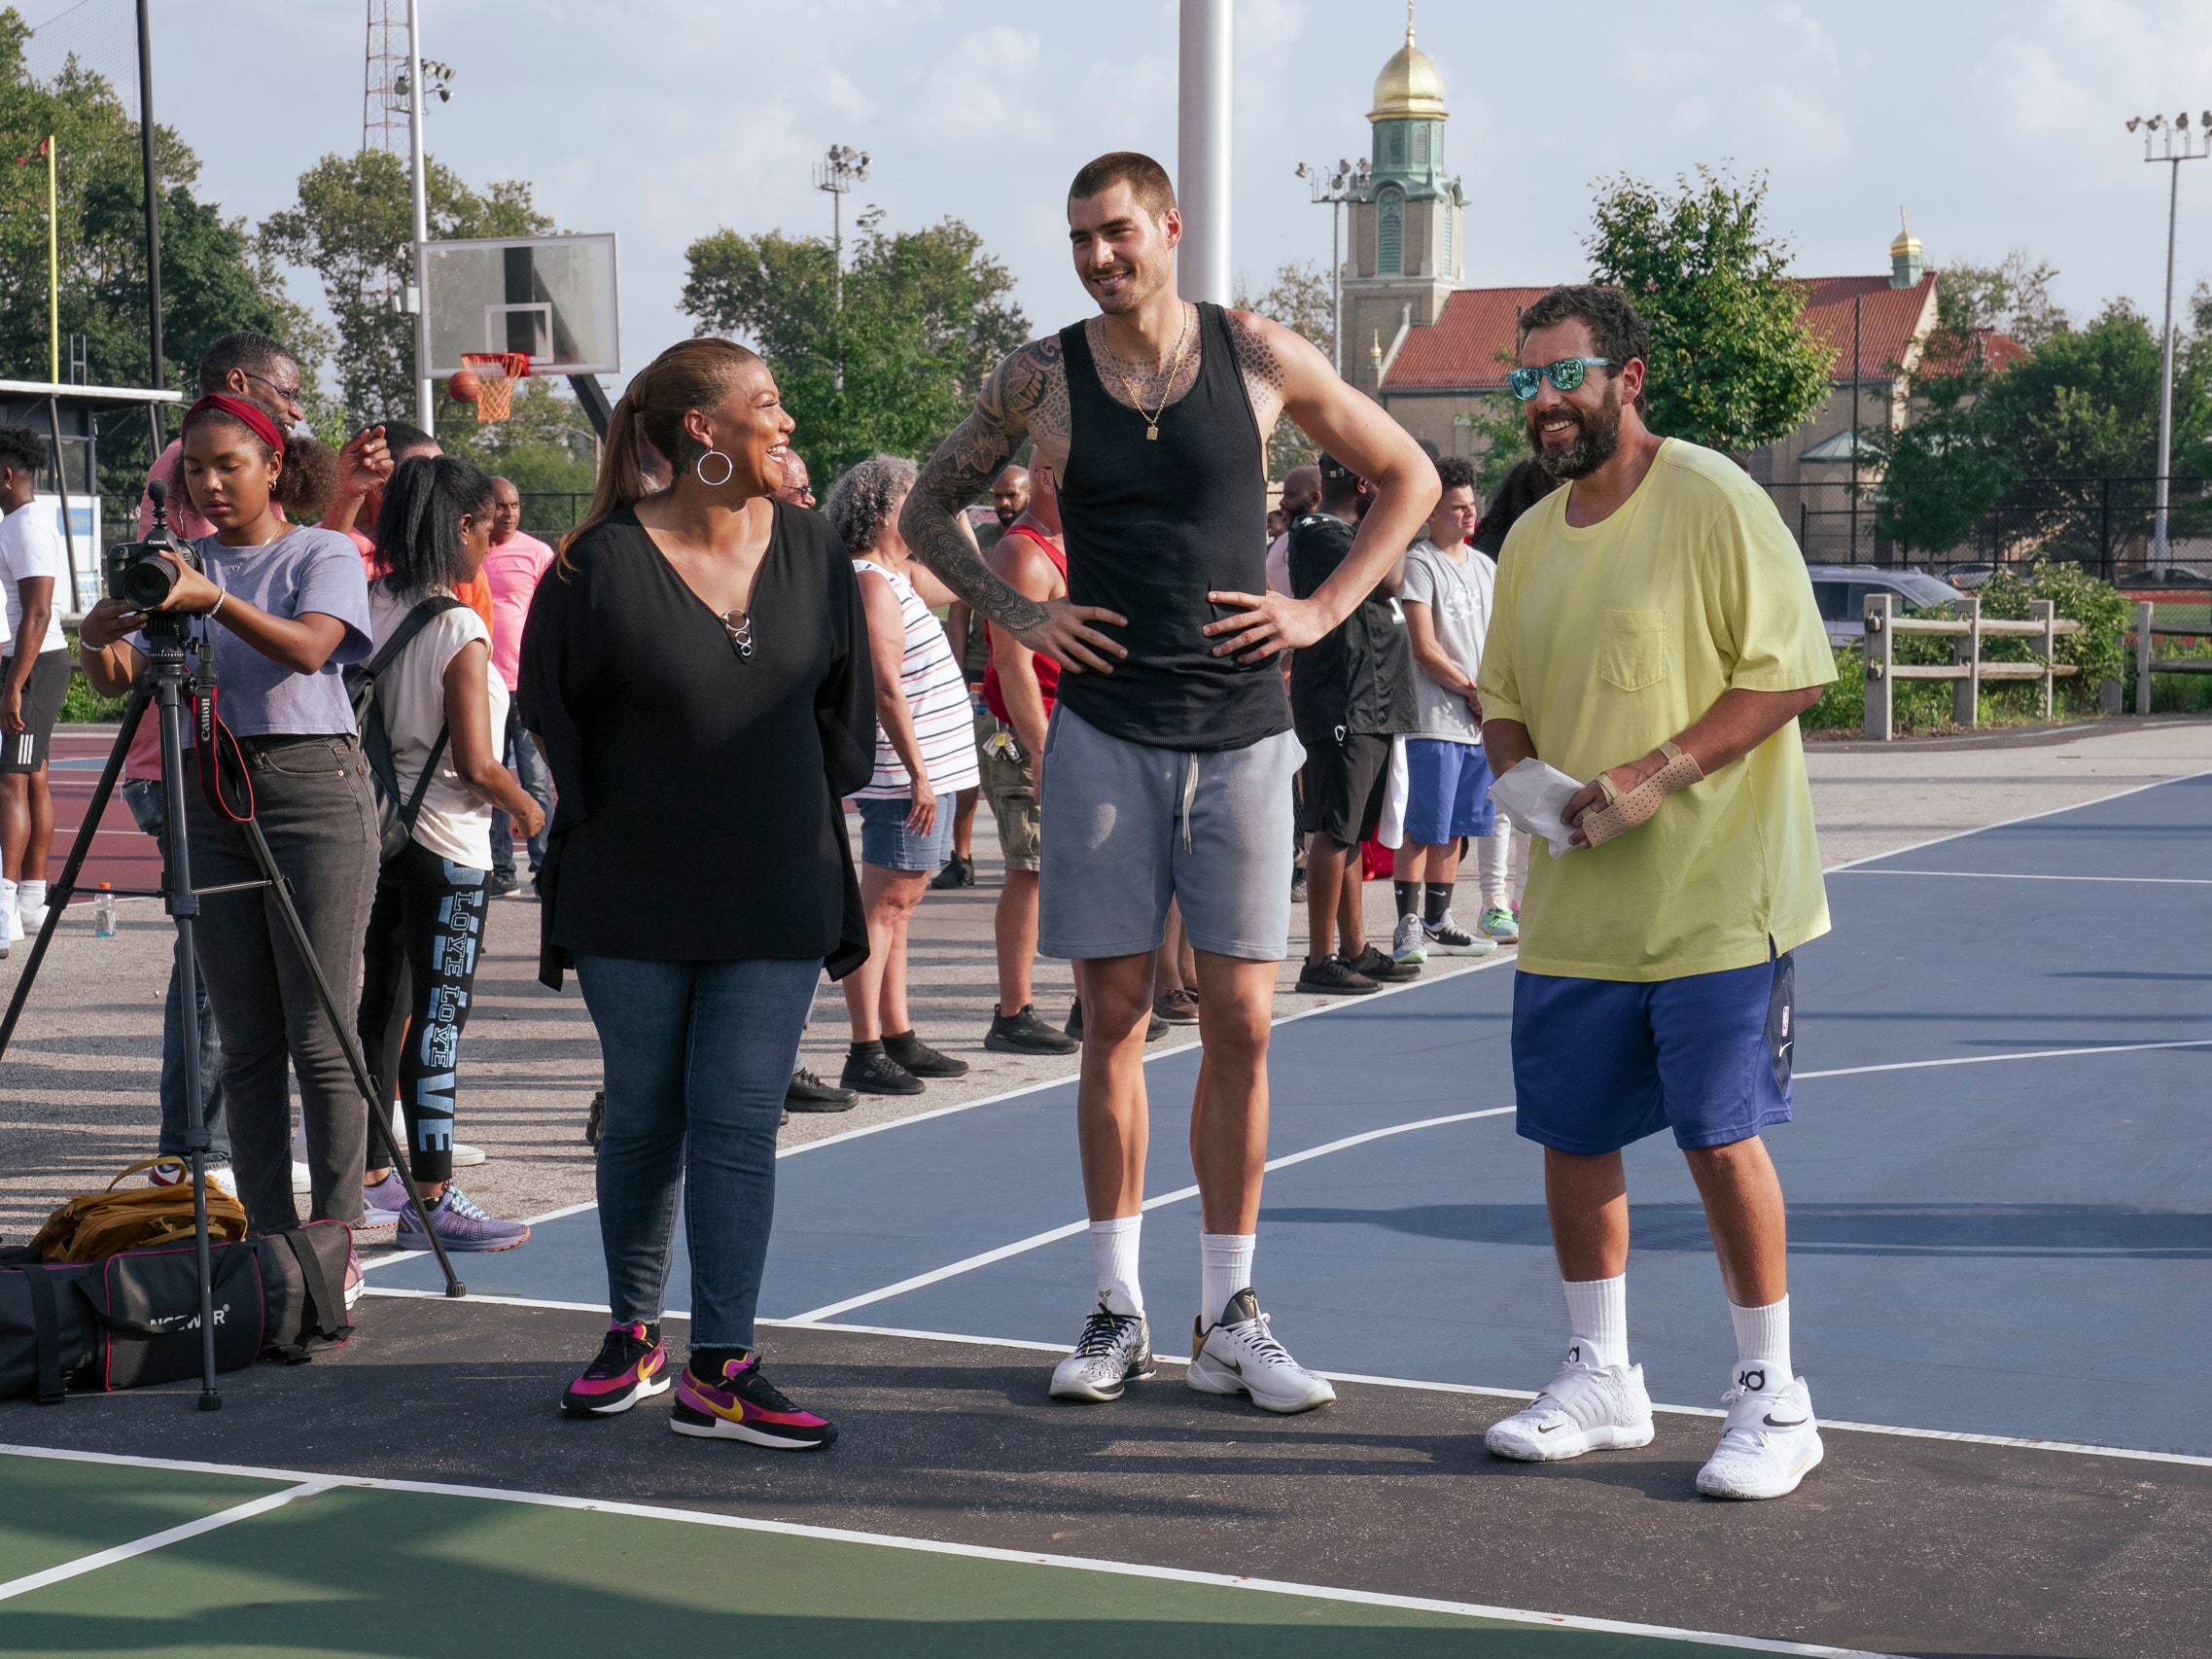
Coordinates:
(1301, 301)
(546, 450)
(926, 316)
(1732, 365)
(353, 226)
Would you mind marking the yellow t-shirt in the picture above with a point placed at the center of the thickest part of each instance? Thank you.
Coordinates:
(1606, 641)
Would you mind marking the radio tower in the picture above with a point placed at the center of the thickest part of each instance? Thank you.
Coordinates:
(383, 106)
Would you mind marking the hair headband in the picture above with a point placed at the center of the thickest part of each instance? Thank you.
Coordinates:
(244, 410)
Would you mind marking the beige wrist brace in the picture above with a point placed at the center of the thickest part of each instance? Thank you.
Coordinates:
(1624, 811)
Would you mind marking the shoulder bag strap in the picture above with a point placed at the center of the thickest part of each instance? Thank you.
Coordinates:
(47, 1321)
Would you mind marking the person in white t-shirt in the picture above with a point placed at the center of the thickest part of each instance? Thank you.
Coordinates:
(1446, 596)
(441, 706)
(34, 571)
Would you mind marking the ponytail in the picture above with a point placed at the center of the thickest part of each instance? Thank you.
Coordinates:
(692, 374)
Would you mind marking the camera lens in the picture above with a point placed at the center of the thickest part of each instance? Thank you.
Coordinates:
(148, 582)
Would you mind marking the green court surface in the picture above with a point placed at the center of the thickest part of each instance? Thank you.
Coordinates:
(354, 1568)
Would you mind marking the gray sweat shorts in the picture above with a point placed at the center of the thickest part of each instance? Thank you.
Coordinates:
(1128, 827)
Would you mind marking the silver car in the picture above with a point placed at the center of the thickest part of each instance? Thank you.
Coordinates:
(1840, 591)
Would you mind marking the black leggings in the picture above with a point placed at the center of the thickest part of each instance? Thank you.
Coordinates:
(426, 927)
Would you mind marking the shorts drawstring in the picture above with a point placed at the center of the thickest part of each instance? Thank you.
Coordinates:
(1189, 794)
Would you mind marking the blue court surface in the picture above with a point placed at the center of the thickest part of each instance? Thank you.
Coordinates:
(1997, 1174)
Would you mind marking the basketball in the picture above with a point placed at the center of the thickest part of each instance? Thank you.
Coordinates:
(464, 386)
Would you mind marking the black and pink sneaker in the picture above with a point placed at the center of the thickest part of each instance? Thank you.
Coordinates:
(740, 1404)
(631, 1366)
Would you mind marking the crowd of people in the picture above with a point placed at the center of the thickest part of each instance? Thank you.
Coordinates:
(1180, 707)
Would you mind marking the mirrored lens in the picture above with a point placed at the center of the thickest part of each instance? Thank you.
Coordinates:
(1525, 381)
(1566, 373)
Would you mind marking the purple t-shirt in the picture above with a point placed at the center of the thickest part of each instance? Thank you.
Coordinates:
(305, 569)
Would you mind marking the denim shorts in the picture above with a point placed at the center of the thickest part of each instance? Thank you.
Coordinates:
(1601, 1063)
(887, 844)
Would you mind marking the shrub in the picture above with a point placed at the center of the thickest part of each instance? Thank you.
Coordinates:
(2100, 650)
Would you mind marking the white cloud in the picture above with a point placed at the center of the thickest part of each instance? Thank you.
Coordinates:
(984, 89)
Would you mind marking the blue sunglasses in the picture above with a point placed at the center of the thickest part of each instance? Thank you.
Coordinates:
(1567, 375)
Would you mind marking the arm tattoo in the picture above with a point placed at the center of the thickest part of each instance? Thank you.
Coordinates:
(1255, 358)
(1027, 393)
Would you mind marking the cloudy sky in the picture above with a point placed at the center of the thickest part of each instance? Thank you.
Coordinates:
(1994, 125)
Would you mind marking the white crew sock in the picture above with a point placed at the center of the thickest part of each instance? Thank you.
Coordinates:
(1225, 1267)
(1113, 1245)
(1763, 1342)
(1598, 1310)
(31, 895)
(7, 891)
(1492, 853)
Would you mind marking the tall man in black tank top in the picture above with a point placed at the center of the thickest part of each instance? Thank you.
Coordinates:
(1169, 752)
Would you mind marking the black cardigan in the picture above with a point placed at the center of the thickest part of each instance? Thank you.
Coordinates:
(700, 814)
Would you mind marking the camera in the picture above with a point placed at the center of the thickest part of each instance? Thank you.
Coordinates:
(136, 571)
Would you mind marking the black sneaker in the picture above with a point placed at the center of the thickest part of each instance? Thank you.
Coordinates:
(632, 1365)
(809, 1093)
(1333, 977)
(1374, 964)
(920, 1059)
(740, 1404)
(1156, 1028)
(498, 886)
(958, 872)
(1297, 887)
(1176, 1008)
(1023, 1033)
(879, 1074)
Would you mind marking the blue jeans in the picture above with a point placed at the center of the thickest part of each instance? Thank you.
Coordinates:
(148, 801)
(698, 1058)
(536, 783)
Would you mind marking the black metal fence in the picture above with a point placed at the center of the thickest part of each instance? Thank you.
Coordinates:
(2103, 524)
(549, 513)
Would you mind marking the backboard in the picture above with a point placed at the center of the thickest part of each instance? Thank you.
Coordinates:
(553, 297)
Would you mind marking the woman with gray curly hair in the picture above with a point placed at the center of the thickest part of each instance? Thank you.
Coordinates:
(924, 750)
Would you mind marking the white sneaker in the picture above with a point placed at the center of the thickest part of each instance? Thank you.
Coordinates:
(1585, 1408)
(14, 925)
(1114, 1349)
(466, 1156)
(218, 1177)
(33, 920)
(1769, 1443)
(1449, 938)
(1241, 1356)
(1409, 943)
(300, 1181)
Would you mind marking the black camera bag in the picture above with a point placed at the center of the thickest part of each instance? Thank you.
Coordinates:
(47, 1330)
(146, 1304)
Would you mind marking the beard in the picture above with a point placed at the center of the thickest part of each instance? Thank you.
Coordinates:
(1597, 436)
(1006, 516)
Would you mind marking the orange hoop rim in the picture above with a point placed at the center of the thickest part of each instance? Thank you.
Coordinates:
(514, 364)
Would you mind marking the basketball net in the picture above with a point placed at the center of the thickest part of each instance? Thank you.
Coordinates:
(496, 373)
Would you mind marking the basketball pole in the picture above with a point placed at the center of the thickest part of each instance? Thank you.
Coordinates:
(1204, 106)
(426, 416)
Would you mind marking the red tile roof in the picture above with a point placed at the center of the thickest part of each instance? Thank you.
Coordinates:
(1470, 345)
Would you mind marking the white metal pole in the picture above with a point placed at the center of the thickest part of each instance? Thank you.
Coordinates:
(1336, 286)
(424, 416)
(2167, 386)
(1204, 104)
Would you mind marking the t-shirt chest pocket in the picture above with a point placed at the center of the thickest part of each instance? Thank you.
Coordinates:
(1631, 651)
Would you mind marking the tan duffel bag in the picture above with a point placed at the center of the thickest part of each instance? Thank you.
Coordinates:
(94, 1225)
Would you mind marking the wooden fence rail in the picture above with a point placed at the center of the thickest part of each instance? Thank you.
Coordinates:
(2146, 631)
(1966, 671)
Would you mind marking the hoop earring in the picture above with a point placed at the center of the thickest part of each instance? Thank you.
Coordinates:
(729, 470)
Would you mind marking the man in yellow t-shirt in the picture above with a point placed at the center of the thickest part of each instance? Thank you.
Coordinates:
(1654, 632)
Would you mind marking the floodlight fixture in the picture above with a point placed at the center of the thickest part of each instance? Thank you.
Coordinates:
(2178, 145)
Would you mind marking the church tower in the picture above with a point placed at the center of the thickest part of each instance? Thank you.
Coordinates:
(1409, 225)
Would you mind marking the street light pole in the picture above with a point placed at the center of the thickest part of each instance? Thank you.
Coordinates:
(1346, 183)
(2179, 146)
(836, 175)
(425, 414)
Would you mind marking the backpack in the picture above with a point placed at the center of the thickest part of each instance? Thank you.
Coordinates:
(93, 1226)
(395, 819)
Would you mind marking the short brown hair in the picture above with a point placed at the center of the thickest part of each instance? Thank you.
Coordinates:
(1146, 179)
(1616, 329)
(1454, 472)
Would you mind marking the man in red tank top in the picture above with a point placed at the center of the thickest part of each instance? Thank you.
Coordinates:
(1019, 688)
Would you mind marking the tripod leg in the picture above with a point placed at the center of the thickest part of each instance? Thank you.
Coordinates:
(57, 899)
(380, 1120)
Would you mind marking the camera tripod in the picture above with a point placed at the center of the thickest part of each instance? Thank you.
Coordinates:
(168, 680)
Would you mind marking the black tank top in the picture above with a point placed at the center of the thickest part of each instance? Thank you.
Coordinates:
(1152, 526)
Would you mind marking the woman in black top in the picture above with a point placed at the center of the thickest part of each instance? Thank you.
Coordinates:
(696, 669)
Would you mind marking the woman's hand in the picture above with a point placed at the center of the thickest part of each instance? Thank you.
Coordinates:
(108, 620)
(532, 822)
(922, 811)
(194, 594)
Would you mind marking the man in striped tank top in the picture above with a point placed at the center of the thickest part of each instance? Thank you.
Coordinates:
(1167, 766)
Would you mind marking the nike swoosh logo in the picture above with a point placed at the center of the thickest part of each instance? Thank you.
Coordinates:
(1794, 1423)
(1548, 1427)
(1235, 1366)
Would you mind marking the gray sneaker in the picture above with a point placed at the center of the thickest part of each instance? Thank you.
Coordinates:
(460, 1225)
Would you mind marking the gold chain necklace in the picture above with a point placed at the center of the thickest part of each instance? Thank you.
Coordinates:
(1152, 420)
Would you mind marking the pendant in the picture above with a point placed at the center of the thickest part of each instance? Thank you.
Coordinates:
(1152, 434)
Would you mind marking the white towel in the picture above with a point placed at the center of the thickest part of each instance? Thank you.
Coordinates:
(1535, 796)
(1391, 830)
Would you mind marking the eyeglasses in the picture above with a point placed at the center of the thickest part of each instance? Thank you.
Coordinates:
(290, 394)
(1567, 375)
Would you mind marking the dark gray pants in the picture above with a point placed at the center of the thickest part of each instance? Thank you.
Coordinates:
(312, 801)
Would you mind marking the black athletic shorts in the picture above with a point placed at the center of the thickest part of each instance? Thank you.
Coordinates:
(25, 751)
(1345, 780)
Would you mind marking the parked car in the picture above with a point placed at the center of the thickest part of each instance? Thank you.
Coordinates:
(1840, 591)
(1969, 576)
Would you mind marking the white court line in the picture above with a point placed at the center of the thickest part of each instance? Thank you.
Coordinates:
(2015, 1443)
(968, 1552)
(2007, 876)
(2008, 822)
(83, 1564)
(1036, 1241)
(1993, 1059)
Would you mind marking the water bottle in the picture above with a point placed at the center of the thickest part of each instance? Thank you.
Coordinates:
(103, 913)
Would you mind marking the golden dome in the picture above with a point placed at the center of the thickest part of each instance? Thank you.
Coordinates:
(1906, 242)
(1409, 89)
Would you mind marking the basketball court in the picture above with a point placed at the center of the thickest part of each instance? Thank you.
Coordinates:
(1998, 1252)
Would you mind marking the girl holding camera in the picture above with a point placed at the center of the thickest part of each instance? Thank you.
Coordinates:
(281, 608)
(426, 930)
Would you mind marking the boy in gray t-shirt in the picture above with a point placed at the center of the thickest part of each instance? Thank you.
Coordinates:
(1446, 596)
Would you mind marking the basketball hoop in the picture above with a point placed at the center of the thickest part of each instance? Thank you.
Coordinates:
(496, 373)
